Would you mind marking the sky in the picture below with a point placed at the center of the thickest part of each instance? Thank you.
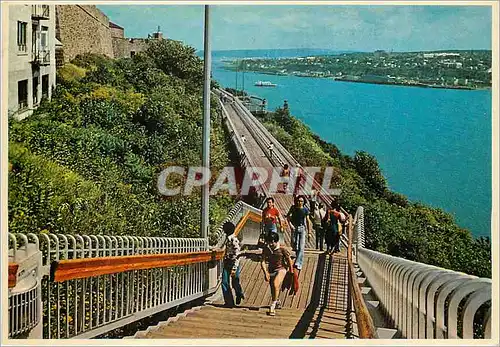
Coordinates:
(347, 27)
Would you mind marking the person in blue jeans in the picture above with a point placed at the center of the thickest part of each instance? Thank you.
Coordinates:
(231, 269)
(298, 218)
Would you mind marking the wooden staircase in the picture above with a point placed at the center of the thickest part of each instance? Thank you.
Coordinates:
(218, 322)
(302, 315)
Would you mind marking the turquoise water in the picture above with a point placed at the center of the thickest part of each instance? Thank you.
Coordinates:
(433, 145)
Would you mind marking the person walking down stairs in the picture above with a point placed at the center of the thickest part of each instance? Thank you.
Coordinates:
(319, 213)
(299, 221)
(231, 269)
(278, 258)
(285, 173)
(333, 228)
(271, 217)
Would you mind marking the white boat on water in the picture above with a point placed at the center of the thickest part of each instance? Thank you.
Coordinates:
(265, 84)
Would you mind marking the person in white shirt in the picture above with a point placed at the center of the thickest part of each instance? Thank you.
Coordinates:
(313, 197)
(231, 269)
(270, 148)
(319, 214)
(243, 138)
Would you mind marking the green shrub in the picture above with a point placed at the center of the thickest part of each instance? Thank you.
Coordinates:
(70, 73)
(87, 161)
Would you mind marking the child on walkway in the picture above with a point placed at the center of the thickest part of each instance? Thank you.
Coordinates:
(231, 268)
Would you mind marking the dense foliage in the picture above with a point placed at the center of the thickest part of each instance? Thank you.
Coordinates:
(88, 160)
(393, 224)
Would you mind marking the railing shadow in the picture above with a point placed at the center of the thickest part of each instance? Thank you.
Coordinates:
(319, 298)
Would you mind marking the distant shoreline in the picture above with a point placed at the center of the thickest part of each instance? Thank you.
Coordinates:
(419, 85)
(343, 79)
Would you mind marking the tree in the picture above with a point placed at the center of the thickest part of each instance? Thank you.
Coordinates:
(367, 167)
(175, 59)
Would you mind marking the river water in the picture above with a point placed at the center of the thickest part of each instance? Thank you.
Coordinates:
(433, 145)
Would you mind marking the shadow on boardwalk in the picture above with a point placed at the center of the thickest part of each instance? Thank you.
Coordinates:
(327, 315)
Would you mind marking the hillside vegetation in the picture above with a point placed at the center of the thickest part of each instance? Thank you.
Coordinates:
(87, 161)
(393, 225)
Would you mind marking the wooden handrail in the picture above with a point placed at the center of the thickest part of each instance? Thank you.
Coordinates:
(64, 270)
(12, 274)
(366, 328)
(255, 217)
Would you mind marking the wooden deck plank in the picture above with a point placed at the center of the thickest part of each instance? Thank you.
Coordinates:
(296, 298)
(249, 282)
(312, 284)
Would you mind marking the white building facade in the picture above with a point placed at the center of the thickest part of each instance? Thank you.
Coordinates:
(31, 52)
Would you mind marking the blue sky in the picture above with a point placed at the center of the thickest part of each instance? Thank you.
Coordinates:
(349, 27)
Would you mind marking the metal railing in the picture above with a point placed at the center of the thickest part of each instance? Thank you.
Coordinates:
(41, 56)
(425, 301)
(92, 306)
(25, 297)
(246, 161)
(40, 11)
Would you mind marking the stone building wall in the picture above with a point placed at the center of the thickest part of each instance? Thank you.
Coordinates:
(83, 29)
(116, 31)
(127, 47)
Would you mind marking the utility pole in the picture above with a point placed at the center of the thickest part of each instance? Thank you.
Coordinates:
(206, 125)
(243, 73)
(236, 87)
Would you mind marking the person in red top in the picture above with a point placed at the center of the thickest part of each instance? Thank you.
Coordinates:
(271, 217)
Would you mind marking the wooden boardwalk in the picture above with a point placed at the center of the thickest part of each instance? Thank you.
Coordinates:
(318, 310)
(260, 158)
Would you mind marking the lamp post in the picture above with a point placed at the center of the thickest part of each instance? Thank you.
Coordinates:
(206, 125)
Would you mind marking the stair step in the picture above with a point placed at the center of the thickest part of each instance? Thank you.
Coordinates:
(204, 325)
(256, 321)
(361, 280)
(238, 311)
(373, 304)
(386, 333)
(188, 329)
(365, 290)
(193, 334)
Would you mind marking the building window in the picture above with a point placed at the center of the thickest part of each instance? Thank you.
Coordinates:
(35, 90)
(22, 94)
(45, 86)
(132, 53)
(44, 38)
(21, 36)
(34, 41)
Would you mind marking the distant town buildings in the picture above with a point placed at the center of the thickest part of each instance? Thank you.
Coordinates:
(441, 54)
(466, 69)
(31, 57)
